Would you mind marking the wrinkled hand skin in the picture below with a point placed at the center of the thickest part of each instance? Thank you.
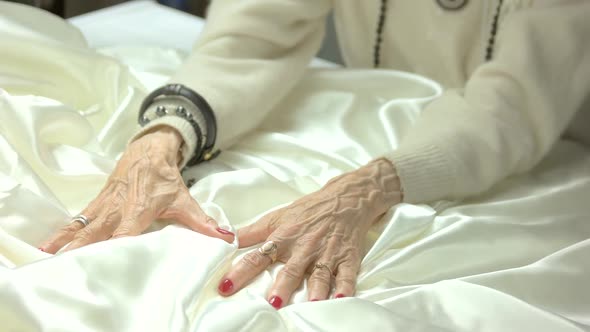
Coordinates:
(145, 185)
(327, 226)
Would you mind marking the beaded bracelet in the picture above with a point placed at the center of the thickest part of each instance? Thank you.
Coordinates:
(178, 100)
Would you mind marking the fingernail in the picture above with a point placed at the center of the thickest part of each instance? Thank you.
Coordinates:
(276, 302)
(339, 295)
(41, 249)
(224, 232)
(226, 286)
(313, 300)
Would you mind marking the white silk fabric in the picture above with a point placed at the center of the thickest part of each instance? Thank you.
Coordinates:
(514, 259)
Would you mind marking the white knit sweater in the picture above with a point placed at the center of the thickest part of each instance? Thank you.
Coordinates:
(495, 119)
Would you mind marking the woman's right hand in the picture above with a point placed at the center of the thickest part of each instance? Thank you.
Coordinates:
(145, 185)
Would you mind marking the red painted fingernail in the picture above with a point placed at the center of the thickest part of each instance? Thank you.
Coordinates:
(313, 300)
(339, 295)
(224, 232)
(226, 286)
(276, 302)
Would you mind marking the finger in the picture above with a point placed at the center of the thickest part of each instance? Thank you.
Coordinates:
(258, 231)
(346, 279)
(288, 280)
(98, 230)
(320, 280)
(243, 272)
(188, 212)
(66, 234)
(60, 238)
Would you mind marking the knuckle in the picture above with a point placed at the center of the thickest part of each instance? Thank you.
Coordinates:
(83, 235)
(91, 210)
(351, 257)
(311, 240)
(355, 259)
(109, 223)
(320, 277)
(272, 224)
(124, 221)
(292, 271)
(252, 260)
(347, 281)
(210, 220)
(121, 231)
(69, 229)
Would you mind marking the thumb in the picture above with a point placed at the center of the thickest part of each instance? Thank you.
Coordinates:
(188, 212)
(258, 231)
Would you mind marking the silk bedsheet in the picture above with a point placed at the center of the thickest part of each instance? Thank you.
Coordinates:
(514, 259)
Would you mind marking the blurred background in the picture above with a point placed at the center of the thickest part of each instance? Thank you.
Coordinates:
(69, 8)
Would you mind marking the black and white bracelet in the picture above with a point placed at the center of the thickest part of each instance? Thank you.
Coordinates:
(178, 100)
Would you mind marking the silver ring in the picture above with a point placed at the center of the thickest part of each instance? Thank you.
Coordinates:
(322, 266)
(269, 249)
(81, 219)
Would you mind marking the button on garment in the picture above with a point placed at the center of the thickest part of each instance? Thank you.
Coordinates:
(452, 4)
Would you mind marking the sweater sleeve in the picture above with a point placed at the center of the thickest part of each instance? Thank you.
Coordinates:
(511, 111)
(251, 53)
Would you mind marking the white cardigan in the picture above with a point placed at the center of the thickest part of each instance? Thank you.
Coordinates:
(495, 118)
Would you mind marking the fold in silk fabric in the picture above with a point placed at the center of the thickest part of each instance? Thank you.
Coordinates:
(514, 259)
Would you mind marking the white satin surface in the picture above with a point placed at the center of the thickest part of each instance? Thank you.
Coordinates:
(514, 259)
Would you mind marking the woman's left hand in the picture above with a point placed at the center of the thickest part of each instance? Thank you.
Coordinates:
(145, 185)
(321, 233)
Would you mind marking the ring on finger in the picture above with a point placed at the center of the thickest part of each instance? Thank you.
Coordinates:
(269, 249)
(81, 219)
(320, 265)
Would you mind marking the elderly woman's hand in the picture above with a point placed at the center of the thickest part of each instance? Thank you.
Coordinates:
(145, 185)
(321, 233)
